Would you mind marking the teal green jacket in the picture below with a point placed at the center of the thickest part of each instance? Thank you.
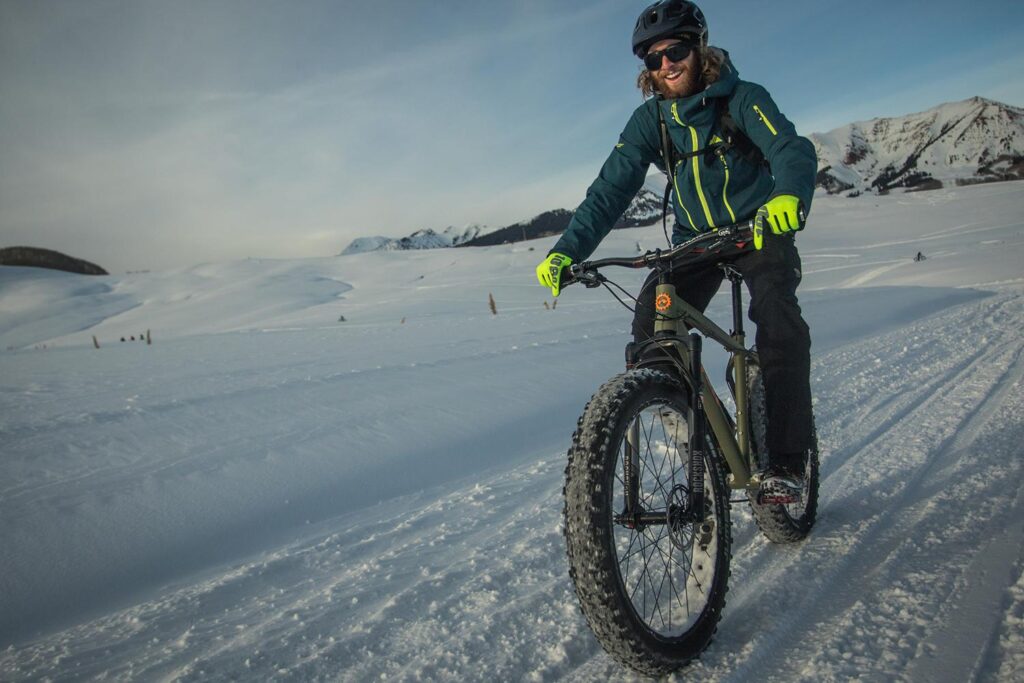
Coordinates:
(708, 191)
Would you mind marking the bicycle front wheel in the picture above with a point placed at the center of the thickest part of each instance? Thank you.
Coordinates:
(650, 574)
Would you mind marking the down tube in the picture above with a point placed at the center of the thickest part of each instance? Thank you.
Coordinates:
(726, 440)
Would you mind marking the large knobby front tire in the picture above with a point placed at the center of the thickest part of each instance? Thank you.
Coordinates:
(653, 592)
(780, 523)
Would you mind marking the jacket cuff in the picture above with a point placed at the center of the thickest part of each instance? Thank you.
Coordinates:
(792, 193)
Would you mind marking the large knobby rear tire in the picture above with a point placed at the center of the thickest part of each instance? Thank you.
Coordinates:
(652, 593)
(780, 523)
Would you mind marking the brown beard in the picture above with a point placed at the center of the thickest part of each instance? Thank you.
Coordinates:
(690, 83)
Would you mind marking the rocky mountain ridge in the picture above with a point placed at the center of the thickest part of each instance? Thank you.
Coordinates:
(973, 141)
(421, 239)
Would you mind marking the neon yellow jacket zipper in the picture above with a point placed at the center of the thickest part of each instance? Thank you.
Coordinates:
(696, 168)
(725, 189)
(764, 119)
(679, 197)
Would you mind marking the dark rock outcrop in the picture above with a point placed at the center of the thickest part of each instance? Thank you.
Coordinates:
(546, 224)
(645, 209)
(34, 257)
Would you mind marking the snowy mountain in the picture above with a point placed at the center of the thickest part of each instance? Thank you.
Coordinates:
(645, 209)
(268, 493)
(976, 140)
(421, 239)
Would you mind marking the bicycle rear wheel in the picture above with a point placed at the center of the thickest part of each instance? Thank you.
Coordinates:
(651, 577)
(780, 523)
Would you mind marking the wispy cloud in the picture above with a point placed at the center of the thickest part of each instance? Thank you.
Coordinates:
(149, 134)
(154, 173)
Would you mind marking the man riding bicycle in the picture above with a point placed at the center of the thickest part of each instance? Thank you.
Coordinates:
(729, 154)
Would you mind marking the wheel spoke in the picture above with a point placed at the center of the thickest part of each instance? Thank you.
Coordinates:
(645, 464)
(633, 553)
(658, 563)
(664, 575)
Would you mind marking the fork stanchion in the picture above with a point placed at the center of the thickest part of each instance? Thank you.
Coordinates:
(696, 419)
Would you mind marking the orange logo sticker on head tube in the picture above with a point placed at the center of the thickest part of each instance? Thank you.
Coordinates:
(663, 303)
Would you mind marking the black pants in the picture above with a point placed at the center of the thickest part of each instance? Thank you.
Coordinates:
(783, 338)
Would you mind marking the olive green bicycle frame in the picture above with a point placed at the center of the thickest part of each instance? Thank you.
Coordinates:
(671, 320)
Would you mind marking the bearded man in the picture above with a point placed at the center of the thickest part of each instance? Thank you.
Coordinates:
(758, 168)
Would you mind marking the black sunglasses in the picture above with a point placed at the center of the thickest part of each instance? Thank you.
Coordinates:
(675, 53)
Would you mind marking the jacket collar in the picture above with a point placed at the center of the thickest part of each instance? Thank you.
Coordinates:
(688, 107)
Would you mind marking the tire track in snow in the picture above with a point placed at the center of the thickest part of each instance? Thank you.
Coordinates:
(896, 404)
(761, 627)
(865, 277)
(878, 544)
(465, 582)
(934, 532)
(470, 581)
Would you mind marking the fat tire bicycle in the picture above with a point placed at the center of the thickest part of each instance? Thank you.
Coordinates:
(653, 467)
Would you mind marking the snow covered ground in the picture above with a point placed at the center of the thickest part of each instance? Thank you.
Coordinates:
(269, 493)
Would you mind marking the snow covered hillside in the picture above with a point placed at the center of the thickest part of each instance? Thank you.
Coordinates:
(268, 492)
(976, 140)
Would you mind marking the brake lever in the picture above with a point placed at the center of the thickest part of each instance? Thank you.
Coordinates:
(588, 278)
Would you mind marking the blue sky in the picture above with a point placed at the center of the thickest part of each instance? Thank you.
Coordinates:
(151, 134)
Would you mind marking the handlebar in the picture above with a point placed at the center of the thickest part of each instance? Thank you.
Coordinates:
(709, 243)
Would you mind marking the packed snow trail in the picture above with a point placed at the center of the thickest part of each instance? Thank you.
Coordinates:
(251, 479)
(918, 488)
(919, 525)
(267, 493)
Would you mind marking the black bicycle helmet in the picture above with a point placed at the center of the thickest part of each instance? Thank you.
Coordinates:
(668, 19)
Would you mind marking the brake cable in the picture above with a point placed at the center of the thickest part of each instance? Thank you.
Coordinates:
(605, 282)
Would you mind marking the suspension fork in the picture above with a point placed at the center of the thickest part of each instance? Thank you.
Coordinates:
(696, 420)
(666, 319)
(740, 366)
(631, 469)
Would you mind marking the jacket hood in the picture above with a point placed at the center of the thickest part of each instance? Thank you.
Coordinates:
(727, 80)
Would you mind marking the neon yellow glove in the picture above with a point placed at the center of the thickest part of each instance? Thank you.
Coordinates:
(781, 213)
(549, 273)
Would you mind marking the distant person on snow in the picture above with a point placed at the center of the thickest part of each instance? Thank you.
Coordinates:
(732, 155)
